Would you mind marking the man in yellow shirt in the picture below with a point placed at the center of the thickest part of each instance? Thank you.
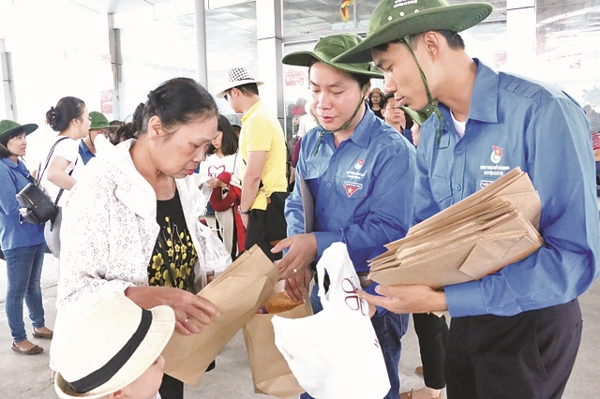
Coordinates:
(262, 146)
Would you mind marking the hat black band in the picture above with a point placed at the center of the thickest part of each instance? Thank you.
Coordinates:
(106, 372)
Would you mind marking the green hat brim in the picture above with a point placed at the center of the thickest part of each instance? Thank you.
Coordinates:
(305, 58)
(452, 18)
(106, 126)
(28, 129)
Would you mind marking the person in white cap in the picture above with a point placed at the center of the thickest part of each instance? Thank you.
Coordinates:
(108, 347)
(262, 145)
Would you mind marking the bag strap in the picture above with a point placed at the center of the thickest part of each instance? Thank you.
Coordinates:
(60, 192)
(39, 176)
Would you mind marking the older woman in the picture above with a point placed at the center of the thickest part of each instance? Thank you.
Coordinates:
(129, 225)
(23, 243)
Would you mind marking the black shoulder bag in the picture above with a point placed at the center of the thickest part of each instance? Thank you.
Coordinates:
(36, 206)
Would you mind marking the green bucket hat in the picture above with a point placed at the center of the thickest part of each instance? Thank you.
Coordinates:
(8, 126)
(330, 47)
(99, 121)
(395, 19)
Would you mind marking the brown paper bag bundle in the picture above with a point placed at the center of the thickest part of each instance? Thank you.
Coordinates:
(237, 293)
(270, 371)
(479, 235)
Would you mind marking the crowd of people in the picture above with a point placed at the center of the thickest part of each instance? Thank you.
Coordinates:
(375, 163)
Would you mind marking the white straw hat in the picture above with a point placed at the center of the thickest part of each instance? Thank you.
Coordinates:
(106, 343)
(236, 76)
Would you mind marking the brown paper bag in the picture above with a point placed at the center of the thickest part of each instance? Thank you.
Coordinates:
(270, 371)
(237, 293)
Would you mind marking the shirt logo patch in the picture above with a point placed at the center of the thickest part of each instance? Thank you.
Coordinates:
(351, 188)
(359, 164)
(496, 154)
(484, 183)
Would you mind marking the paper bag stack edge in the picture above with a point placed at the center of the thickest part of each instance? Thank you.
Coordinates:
(492, 228)
(237, 293)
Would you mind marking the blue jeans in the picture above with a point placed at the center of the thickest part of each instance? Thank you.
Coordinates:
(24, 269)
(389, 327)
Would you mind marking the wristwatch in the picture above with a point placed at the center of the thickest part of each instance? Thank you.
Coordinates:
(242, 212)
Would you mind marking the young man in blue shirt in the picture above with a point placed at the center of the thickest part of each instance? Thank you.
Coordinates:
(99, 125)
(360, 172)
(514, 333)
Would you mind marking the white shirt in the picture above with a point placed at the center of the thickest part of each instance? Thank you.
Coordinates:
(109, 227)
(67, 149)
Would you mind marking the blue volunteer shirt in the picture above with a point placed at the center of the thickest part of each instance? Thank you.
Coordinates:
(514, 122)
(363, 189)
(85, 153)
(14, 232)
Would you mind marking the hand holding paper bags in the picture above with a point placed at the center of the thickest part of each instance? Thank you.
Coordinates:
(237, 293)
(480, 234)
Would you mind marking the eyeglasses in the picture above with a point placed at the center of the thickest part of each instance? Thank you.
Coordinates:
(226, 95)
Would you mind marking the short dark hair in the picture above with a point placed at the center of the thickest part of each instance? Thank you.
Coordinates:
(384, 100)
(68, 108)
(229, 141)
(248, 88)
(4, 153)
(454, 40)
(362, 80)
(176, 102)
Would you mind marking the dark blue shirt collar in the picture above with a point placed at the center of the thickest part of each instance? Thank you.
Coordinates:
(484, 98)
(85, 152)
(362, 133)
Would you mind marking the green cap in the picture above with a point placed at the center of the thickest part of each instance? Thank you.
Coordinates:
(329, 47)
(395, 19)
(7, 127)
(99, 121)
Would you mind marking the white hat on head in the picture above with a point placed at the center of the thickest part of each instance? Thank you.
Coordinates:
(236, 76)
(106, 343)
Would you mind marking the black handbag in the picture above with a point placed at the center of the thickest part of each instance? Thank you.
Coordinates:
(36, 206)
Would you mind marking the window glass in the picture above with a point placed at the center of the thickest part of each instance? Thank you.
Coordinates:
(568, 50)
(153, 52)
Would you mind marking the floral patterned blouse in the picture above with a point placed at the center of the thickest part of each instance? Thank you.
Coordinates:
(174, 254)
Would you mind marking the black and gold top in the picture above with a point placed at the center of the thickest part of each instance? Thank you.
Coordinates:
(174, 255)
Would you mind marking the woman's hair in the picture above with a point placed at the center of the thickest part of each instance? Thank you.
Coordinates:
(116, 124)
(229, 141)
(177, 102)
(125, 132)
(67, 109)
(138, 117)
(4, 153)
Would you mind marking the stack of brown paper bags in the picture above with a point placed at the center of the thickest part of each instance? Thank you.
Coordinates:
(478, 235)
(237, 293)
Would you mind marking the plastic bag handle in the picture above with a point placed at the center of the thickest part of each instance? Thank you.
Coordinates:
(321, 282)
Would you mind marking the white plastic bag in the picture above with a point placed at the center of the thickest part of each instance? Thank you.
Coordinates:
(216, 256)
(335, 353)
